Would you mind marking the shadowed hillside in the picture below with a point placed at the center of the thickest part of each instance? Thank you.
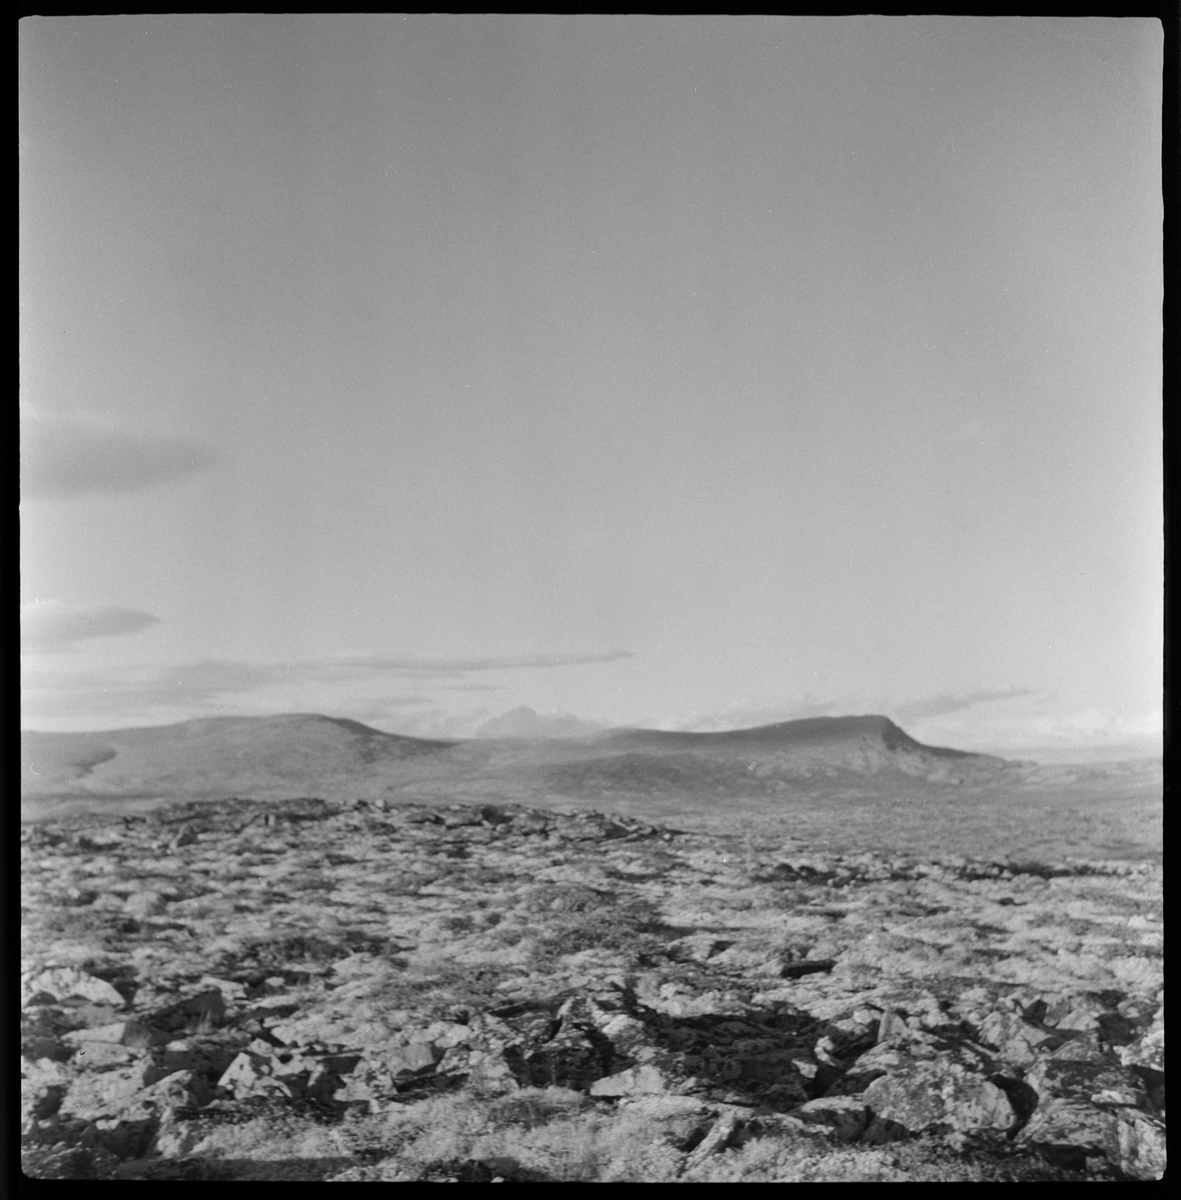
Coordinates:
(215, 754)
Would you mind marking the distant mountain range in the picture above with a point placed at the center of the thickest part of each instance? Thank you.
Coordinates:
(308, 754)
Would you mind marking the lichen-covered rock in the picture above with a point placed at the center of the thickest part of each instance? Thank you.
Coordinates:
(1015, 1040)
(1138, 1147)
(939, 1095)
(1070, 1128)
(1067, 1077)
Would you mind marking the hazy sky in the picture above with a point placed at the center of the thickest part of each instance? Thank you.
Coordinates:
(687, 372)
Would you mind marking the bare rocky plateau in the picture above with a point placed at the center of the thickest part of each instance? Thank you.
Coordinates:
(377, 988)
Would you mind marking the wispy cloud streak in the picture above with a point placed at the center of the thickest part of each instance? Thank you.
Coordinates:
(345, 685)
(73, 455)
(452, 666)
(949, 702)
(51, 626)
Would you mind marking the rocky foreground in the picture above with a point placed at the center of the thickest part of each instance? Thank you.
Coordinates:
(332, 991)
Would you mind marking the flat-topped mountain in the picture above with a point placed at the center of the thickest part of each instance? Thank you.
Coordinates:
(858, 742)
(843, 752)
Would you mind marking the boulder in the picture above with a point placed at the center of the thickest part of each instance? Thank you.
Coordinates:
(941, 1095)
(643, 1080)
(103, 1093)
(231, 991)
(410, 1059)
(721, 1135)
(871, 1065)
(1148, 1052)
(178, 1138)
(64, 982)
(249, 1075)
(125, 1138)
(571, 1059)
(93, 1055)
(368, 1084)
(1067, 1130)
(112, 1033)
(89, 1016)
(1086, 1080)
(179, 1091)
(893, 1029)
(489, 1073)
(1138, 1147)
(1015, 1040)
(144, 904)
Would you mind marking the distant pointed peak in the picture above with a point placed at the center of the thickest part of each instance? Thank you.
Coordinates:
(525, 722)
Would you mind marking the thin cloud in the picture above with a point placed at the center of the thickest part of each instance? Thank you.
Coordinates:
(50, 625)
(949, 702)
(346, 686)
(449, 666)
(149, 695)
(74, 455)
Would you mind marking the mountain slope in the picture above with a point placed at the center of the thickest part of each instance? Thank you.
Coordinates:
(222, 754)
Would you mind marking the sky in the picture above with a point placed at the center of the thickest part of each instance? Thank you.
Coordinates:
(685, 372)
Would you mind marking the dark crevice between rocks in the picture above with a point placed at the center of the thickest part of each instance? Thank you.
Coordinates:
(797, 970)
(1154, 1086)
(1022, 1098)
(881, 1131)
(794, 1032)
(695, 1138)
(475, 1170)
